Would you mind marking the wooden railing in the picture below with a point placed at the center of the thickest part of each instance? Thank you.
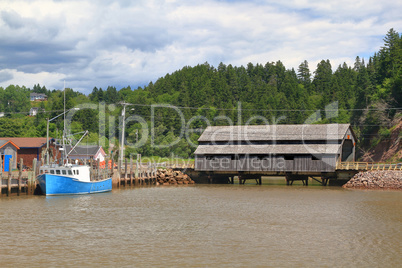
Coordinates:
(153, 166)
(180, 166)
(367, 166)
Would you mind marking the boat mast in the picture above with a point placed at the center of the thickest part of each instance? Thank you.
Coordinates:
(64, 123)
(47, 141)
(64, 89)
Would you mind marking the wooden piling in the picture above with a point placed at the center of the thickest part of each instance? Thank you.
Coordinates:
(9, 184)
(33, 182)
(131, 171)
(1, 167)
(98, 169)
(20, 176)
(91, 170)
(9, 178)
(124, 174)
(29, 184)
(119, 167)
(125, 171)
(112, 166)
(119, 172)
(148, 172)
(36, 167)
(136, 167)
(105, 174)
(114, 175)
(136, 172)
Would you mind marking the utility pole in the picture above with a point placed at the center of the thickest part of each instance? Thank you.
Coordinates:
(123, 114)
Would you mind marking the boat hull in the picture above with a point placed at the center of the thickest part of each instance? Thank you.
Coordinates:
(63, 185)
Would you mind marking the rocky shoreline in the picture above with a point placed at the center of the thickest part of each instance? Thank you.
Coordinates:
(171, 177)
(377, 179)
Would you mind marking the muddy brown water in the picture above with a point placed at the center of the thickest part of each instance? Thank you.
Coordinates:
(204, 226)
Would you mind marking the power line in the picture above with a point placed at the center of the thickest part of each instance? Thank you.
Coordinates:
(265, 110)
(47, 112)
(186, 119)
(237, 109)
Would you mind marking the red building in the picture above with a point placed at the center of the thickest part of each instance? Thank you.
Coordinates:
(30, 148)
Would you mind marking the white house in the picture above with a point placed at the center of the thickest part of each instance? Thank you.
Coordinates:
(37, 97)
(33, 111)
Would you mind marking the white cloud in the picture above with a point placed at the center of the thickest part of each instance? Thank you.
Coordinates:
(14, 77)
(120, 43)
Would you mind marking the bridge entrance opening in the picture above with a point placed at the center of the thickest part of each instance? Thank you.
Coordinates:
(347, 151)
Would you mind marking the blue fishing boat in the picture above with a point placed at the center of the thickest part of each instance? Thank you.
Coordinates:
(70, 179)
(66, 178)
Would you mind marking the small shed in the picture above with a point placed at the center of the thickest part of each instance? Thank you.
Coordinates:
(87, 152)
(8, 153)
(275, 148)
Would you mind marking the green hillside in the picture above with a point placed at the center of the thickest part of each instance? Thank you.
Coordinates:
(368, 95)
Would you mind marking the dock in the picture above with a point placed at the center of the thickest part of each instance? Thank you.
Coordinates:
(129, 173)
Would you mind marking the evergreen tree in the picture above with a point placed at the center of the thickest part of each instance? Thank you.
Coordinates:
(390, 55)
(358, 64)
(322, 81)
(94, 95)
(303, 74)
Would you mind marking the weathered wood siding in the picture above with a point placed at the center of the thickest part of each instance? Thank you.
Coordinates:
(9, 149)
(299, 163)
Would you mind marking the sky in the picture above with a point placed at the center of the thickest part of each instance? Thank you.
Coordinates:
(131, 43)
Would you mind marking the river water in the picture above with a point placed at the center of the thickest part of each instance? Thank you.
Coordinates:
(204, 226)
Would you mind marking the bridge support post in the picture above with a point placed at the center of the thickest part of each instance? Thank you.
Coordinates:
(288, 178)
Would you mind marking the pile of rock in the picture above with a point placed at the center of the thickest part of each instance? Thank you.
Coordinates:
(172, 177)
(376, 180)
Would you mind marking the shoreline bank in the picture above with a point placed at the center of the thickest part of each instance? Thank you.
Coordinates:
(377, 179)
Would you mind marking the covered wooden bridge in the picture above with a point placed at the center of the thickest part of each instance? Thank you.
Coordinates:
(294, 151)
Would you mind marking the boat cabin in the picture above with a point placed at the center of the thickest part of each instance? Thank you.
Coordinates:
(78, 172)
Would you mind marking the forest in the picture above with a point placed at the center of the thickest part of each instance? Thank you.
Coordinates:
(168, 116)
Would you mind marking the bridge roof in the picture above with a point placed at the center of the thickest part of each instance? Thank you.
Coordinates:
(275, 132)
